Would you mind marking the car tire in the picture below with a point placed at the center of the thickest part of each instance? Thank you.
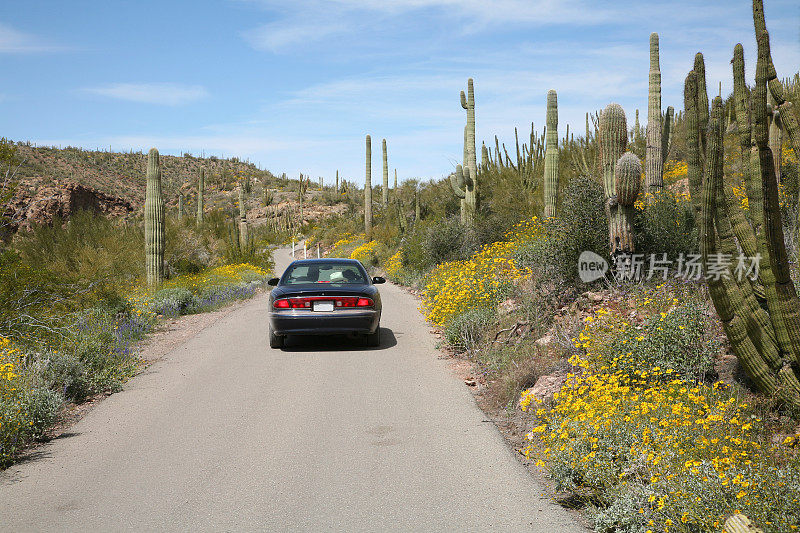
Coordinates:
(275, 341)
(374, 339)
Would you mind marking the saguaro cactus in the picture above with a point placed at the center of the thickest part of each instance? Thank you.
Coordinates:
(368, 193)
(243, 236)
(470, 167)
(385, 188)
(659, 131)
(337, 181)
(613, 138)
(551, 156)
(154, 221)
(761, 316)
(301, 193)
(201, 185)
(180, 205)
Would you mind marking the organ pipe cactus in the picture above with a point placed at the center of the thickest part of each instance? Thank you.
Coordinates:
(761, 316)
(385, 188)
(154, 221)
(551, 156)
(243, 237)
(201, 184)
(613, 139)
(368, 193)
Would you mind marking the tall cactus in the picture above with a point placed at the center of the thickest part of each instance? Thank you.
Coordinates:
(658, 130)
(201, 186)
(301, 193)
(385, 188)
(551, 156)
(243, 234)
(471, 193)
(180, 205)
(395, 182)
(154, 221)
(613, 139)
(368, 193)
(337, 181)
(761, 317)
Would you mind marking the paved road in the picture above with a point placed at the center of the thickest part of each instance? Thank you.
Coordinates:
(224, 434)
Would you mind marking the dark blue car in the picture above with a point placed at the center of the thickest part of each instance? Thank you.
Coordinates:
(325, 297)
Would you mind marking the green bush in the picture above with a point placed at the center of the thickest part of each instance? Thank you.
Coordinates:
(174, 301)
(666, 225)
(681, 339)
(466, 330)
(580, 226)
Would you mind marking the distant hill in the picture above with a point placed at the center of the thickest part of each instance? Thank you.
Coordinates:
(122, 174)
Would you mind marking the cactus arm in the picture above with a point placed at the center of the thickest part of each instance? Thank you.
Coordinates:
(666, 137)
(702, 99)
(787, 315)
(464, 100)
(724, 294)
(457, 182)
(694, 171)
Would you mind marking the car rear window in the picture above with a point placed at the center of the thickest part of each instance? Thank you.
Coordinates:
(333, 273)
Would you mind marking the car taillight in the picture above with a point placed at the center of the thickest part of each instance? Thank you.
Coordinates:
(306, 303)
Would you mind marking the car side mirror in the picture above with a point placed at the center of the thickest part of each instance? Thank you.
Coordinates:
(273, 281)
(377, 280)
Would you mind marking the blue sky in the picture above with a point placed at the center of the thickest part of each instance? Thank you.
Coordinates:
(296, 85)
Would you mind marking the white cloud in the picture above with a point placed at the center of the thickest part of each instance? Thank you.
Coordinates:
(16, 42)
(152, 93)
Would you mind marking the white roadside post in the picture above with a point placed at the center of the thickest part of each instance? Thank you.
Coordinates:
(292, 248)
(305, 251)
(317, 250)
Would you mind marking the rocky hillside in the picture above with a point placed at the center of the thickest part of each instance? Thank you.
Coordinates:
(55, 182)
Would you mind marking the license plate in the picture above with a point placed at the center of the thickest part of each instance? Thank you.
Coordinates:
(323, 306)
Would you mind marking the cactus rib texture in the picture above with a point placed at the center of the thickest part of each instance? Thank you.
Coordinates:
(654, 169)
(613, 139)
(154, 221)
(761, 317)
(551, 156)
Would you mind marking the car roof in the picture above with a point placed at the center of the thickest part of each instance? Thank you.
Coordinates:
(328, 261)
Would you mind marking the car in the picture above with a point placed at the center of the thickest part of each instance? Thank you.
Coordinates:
(325, 297)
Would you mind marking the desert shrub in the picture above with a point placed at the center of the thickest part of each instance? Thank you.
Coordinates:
(636, 436)
(371, 254)
(173, 301)
(87, 251)
(187, 250)
(465, 330)
(448, 240)
(483, 280)
(42, 406)
(665, 224)
(581, 225)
